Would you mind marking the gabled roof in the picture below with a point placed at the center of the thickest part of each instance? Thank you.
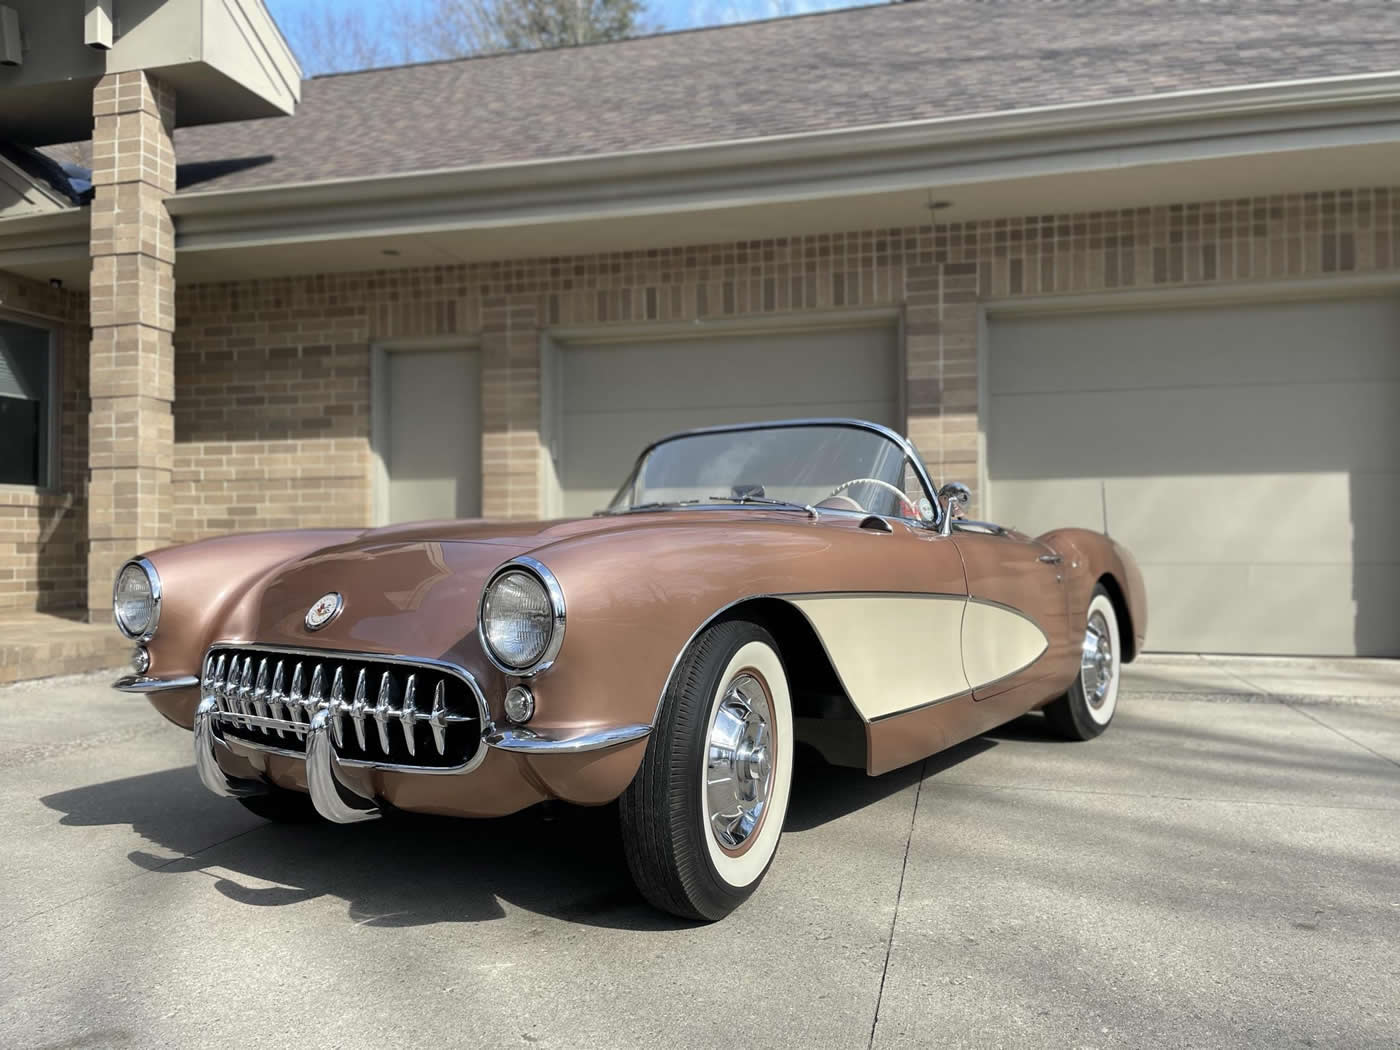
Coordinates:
(846, 69)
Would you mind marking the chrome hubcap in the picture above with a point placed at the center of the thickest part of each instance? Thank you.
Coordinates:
(1096, 663)
(739, 773)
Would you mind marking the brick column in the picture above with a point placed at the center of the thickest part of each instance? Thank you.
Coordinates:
(132, 363)
(940, 332)
(510, 405)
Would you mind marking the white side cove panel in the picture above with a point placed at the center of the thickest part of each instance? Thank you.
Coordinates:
(998, 642)
(892, 652)
(898, 652)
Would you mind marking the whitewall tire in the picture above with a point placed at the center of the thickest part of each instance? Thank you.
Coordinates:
(702, 820)
(1088, 706)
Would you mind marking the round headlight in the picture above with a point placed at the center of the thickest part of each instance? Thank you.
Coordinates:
(136, 599)
(522, 619)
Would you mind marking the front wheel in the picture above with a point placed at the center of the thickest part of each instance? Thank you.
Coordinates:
(702, 819)
(1086, 709)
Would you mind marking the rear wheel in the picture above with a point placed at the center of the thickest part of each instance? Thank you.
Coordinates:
(282, 807)
(702, 819)
(1086, 709)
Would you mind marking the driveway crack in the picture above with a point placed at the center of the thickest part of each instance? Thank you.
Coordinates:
(1345, 736)
(899, 895)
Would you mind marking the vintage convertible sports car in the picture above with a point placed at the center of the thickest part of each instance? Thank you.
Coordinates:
(749, 589)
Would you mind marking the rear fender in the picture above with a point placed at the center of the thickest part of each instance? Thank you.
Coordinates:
(1092, 558)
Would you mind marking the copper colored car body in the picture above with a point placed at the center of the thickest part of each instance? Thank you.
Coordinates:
(898, 637)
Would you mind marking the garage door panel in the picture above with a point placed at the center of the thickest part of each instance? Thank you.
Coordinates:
(432, 456)
(617, 399)
(1235, 430)
(1245, 451)
(1186, 518)
(1376, 591)
(1306, 342)
(1373, 509)
(757, 372)
(1266, 609)
(1249, 517)
(1067, 503)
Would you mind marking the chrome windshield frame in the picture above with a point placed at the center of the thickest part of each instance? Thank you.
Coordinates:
(904, 444)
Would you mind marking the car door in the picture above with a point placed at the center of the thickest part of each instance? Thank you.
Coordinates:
(1016, 626)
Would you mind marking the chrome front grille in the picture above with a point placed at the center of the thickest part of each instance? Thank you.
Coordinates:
(420, 715)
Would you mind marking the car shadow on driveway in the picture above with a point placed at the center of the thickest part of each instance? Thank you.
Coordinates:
(564, 862)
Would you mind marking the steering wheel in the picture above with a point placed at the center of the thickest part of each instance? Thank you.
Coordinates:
(906, 508)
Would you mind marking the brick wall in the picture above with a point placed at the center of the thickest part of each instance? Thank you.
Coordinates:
(272, 377)
(271, 406)
(43, 533)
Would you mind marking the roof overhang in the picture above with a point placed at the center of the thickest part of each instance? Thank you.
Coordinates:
(1207, 145)
(226, 60)
(48, 245)
(23, 194)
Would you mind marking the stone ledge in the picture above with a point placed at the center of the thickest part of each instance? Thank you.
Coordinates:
(40, 645)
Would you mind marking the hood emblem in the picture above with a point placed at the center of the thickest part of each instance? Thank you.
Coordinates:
(326, 609)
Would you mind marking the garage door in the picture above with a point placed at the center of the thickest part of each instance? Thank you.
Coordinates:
(1248, 456)
(432, 435)
(615, 399)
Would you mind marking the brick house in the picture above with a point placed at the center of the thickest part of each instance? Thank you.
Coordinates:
(1126, 268)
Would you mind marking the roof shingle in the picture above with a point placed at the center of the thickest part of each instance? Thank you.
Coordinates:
(852, 68)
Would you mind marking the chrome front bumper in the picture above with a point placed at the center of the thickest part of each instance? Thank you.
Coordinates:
(339, 796)
(139, 683)
(334, 797)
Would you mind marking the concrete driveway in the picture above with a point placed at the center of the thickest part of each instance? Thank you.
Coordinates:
(1221, 869)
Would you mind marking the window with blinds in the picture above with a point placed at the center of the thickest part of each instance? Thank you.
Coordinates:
(26, 404)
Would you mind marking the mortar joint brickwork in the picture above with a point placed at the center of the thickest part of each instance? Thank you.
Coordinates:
(132, 312)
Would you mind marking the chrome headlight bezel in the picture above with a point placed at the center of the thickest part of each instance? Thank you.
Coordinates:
(555, 594)
(153, 583)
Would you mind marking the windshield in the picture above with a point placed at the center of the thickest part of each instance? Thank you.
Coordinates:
(827, 465)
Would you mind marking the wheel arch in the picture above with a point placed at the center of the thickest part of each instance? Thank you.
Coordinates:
(825, 718)
(1125, 617)
(811, 672)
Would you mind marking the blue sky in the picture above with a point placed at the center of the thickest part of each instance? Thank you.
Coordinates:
(663, 14)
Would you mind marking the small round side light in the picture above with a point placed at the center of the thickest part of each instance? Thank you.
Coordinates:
(140, 659)
(520, 704)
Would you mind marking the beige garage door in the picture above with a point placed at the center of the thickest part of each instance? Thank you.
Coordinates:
(1248, 455)
(432, 447)
(615, 399)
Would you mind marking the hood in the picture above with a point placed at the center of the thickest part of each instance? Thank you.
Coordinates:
(434, 571)
(517, 535)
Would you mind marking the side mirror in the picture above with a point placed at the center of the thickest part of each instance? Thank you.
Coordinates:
(955, 492)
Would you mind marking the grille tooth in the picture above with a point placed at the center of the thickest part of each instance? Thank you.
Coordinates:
(382, 711)
(228, 687)
(438, 718)
(260, 690)
(235, 688)
(245, 691)
(216, 687)
(294, 701)
(357, 709)
(407, 715)
(278, 694)
(318, 691)
(336, 706)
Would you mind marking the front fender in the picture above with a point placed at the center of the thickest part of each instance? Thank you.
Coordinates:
(200, 583)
